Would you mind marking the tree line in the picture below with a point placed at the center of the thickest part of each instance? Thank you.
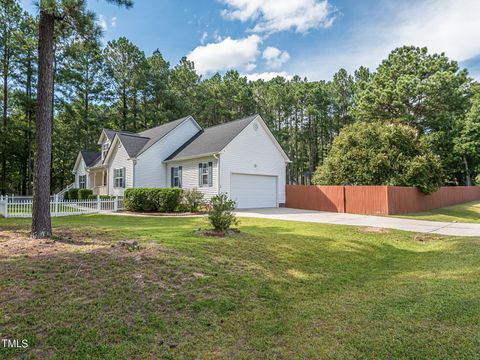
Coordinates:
(116, 85)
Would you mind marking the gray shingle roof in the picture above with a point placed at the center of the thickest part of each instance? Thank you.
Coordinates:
(111, 133)
(90, 157)
(212, 139)
(159, 132)
(133, 143)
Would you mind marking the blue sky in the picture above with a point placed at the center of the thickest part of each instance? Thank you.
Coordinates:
(312, 38)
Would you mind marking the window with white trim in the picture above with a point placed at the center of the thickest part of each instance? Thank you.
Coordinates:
(205, 174)
(82, 181)
(119, 178)
(176, 176)
(105, 150)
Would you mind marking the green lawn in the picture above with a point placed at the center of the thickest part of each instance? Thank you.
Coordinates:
(280, 290)
(469, 212)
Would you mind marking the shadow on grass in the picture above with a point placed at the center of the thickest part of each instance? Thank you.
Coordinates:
(277, 288)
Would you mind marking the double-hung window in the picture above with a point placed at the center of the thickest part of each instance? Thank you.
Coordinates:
(176, 176)
(205, 174)
(82, 181)
(119, 177)
(105, 150)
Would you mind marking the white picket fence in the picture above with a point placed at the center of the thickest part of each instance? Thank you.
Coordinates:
(21, 206)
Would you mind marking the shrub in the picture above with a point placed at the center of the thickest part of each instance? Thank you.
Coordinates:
(381, 154)
(477, 180)
(65, 196)
(83, 194)
(192, 200)
(73, 194)
(102, 197)
(221, 214)
(144, 199)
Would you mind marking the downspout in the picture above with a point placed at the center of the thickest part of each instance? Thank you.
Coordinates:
(217, 157)
(134, 161)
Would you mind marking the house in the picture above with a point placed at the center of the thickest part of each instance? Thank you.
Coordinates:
(240, 158)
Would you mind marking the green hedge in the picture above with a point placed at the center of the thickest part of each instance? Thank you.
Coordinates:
(162, 200)
(73, 194)
(83, 194)
(102, 197)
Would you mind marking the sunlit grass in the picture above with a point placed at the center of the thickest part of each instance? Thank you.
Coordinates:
(278, 290)
(469, 212)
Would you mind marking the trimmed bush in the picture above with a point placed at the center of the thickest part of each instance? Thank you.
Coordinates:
(192, 200)
(65, 196)
(221, 214)
(73, 194)
(145, 199)
(83, 194)
(102, 197)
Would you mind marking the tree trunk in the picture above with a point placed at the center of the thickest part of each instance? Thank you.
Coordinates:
(41, 223)
(468, 178)
(6, 61)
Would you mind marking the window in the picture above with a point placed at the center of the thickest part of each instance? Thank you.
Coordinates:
(119, 178)
(205, 174)
(105, 150)
(82, 181)
(176, 176)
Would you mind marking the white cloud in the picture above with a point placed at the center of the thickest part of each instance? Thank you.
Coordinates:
(441, 25)
(113, 22)
(280, 15)
(102, 22)
(227, 54)
(275, 57)
(267, 76)
(204, 38)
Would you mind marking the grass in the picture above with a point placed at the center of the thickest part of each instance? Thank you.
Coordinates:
(469, 212)
(278, 290)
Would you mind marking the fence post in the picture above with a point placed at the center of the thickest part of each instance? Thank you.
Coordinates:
(56, 205)
(6, 206)
(115, 204)
(99, 205)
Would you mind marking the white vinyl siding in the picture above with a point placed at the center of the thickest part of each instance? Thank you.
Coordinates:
(253, 152)
(190, 172)
(150, 171)
(119, 160)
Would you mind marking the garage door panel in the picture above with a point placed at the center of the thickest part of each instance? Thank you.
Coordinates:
(253, 191)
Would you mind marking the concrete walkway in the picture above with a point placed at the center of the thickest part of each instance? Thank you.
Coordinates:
(421, 226)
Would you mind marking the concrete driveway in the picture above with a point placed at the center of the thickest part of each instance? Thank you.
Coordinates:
(421, 226)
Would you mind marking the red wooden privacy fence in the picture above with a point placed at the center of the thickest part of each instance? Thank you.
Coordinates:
(376, 200)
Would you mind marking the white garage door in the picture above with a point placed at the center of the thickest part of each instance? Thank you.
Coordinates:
(254, 191)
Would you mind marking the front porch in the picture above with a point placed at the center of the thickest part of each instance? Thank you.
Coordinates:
(98, 180)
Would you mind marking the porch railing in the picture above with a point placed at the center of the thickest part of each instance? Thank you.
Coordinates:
(61, 194)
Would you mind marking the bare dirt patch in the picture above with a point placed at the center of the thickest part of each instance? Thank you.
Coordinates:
(424, 238)
(372, 229)
(18, 243)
